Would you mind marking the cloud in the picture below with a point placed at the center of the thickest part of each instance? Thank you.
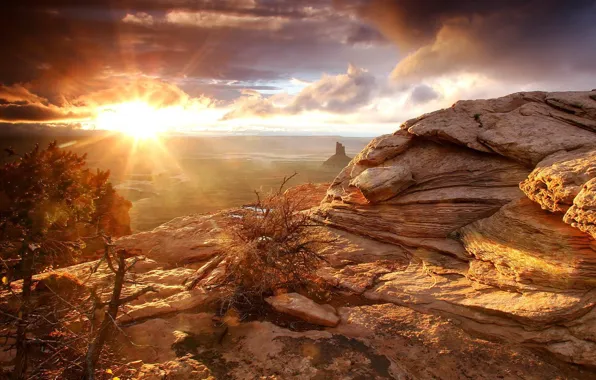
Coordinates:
(423, 94)
(508, 38)
(26, 113)
(140, 18)
(332, 93)
(207, 19)
(18, 104)
(340, 93)
(17, 93)
(61, 59)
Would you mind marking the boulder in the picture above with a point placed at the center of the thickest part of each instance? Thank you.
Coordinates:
(304, 308)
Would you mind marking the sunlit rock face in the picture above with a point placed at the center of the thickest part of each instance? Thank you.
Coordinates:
(558, 179)
(425, 192)
(494, 200)
(533, 247)
(447, 169)
(182, 240)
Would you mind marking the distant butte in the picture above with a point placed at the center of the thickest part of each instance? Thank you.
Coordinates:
(339, 159)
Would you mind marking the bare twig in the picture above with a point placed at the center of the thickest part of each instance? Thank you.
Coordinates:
(136, 295)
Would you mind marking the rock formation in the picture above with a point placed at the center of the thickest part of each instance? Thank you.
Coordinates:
(493, 202)
(339, 159)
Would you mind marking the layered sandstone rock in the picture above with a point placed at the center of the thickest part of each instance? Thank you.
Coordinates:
(515, 265)
(435, 189)
(533, 246)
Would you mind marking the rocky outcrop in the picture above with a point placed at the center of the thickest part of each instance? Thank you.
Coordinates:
(420, 196)
(381, 341)
(519, 126)
(493, 202)
(339, 159)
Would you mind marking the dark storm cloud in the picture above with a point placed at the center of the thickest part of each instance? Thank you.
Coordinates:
(531, 39)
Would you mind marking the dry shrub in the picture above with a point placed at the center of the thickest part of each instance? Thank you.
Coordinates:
(273, 247)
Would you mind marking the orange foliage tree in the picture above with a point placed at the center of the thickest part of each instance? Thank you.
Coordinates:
(50, 201)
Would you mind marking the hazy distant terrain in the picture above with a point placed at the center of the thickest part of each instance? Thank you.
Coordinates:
(181, 175)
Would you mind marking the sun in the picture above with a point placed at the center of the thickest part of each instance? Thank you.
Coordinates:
(137, 119)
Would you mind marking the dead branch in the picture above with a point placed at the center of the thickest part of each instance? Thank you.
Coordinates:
(136, 295)
(284, 182)
(203, 271)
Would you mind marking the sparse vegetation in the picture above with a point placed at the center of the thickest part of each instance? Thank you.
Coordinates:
(478, 120)
(49, 202)
(273, 247)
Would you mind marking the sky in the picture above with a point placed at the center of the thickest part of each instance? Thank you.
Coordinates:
(334, 67)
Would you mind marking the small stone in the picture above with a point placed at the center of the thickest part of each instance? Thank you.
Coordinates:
(305, 309)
